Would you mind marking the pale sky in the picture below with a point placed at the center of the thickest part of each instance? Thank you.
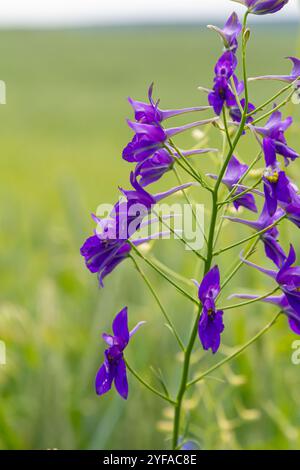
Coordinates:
(81, 12)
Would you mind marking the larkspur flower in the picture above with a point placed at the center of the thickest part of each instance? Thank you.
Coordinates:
(287, 278)
(235, 170)
(282, 303)
(263, 7)
(154, 167)
(274, 129)
(277, 186)
(211, 321)
(292, 77)
(269, 238)
(230, 32)
(109, 245)
(150, 113)
(149, 138)
(222, 94)
(114, 368)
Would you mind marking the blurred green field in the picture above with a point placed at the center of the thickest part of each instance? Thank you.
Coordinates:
(61, 136)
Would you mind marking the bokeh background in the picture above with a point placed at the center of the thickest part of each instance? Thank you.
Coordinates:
(61, 136)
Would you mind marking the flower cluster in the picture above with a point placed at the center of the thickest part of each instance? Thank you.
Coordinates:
(152, 153)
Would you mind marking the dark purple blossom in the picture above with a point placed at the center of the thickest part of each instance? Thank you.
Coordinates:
(276, 183)
(154, 167)
(114, 368)
(150, 113)
(230, 32)
(269, 238)
(222, 94)
(263, 7)
(287, 278)
(109, 246)
(274, 130)
(149, 138)
(211, 321)
(235, 170)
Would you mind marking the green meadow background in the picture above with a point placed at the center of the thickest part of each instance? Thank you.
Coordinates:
(61, 137)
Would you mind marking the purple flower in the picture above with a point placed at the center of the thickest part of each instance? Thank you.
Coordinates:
(114, 368)
(230, 32)
(269, 238)
(235, 112)
(154, 167)
(149, 138)
(263, 7)
(274, 130)
(235, 170)
(150, 113)
(277, 186)
(221, 93)
(287, 278)
(282, 303)
(211, 321)
(294, 75)
(109, 246)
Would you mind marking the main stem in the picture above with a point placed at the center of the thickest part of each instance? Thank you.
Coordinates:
(209, 257)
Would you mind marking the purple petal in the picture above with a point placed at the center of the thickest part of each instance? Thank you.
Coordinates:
(121, 382)
(103, 380)
(120, 327)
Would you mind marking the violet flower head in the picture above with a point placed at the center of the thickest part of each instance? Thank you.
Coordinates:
(263, 7)
(277, 186)
(235, 170)
(230, 32)
(149, 138)
(281, 302)
(274, 130)
(211, 321)
(294, 75)
(269, 238)
(154, 167)
(221, 94)
(102, 256)
(114, 368)
(150, 113)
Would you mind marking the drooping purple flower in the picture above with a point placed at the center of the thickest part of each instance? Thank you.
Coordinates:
(269, 238)
(211, 321)
(277, 187)
(274, 129)
(235, 112)
(294, 75)
(263, 7)
(235, 170)
(280, 302)
(150, 113)
(287, 278)
(154, 167)
(114, 368)
(222, 94)
(109, 246)
(230, 32)
(149, 138)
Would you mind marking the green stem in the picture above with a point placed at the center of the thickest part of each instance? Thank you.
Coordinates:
(271, 100)
(148, 386)
(254, 235)
(209, 257)
(251, 301)
(246, 191)
(162, 308)
(284, 102)
(226, 128)
(236, 353)
(189, 202)
(159, 271)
